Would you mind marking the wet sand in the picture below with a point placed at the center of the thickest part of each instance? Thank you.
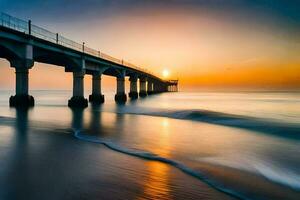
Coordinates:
(43, 161)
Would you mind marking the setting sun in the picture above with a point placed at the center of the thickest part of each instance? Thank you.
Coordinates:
(166, 73)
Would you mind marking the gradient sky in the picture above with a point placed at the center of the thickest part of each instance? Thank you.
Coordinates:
(216, 44)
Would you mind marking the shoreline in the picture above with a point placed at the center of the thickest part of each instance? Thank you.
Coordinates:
(221, 174)
(71, 166)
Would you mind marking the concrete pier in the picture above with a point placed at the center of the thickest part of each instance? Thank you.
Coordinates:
(78, 99)
(24, 45)
(149, 87)
(143, 89)
(120, 97)
(96, 97)
(133, 94)
(172, 86)
(22, 98)
(22, 66)
(156, 88)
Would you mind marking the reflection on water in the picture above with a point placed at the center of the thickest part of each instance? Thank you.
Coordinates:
(218, 150)
(77, 118)
(21, 121)
(192, 143)
(95, 121)
(156, 186)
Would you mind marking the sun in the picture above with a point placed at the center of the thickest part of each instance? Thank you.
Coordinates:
(166, 73)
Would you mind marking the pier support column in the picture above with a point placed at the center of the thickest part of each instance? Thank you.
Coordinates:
(22, 66)
(160, 88)
(154, 88)
(157, 87)
(150, 87)
(165, 87)
(121, 97)
(133, 94)
(143, 89)
(96, 97)
(22, 98)
(78, 99)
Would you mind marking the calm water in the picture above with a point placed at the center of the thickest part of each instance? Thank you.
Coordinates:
(168, 146)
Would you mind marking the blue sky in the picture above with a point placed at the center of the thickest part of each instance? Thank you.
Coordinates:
(288, 10)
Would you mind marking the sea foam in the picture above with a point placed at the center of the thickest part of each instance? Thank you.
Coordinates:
(154, 157)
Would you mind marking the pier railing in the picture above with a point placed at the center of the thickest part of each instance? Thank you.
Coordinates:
(27, 28)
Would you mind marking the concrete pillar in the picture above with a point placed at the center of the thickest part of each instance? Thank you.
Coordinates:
(121, 97)
(143, 89)
(164, 87)
(120, 85)
(22, 81)
(22, 97)
(161, 87)
(133, 87)
(78, 99)
(96, 84)
(150, 87)
(96, 97)
(155, 87)
(78, 84)
(22, 66)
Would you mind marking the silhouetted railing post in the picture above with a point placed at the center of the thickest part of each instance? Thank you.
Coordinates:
(56, 38)
(29, 27)
(83, 47)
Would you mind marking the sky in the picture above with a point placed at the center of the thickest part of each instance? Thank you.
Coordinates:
(206, 44)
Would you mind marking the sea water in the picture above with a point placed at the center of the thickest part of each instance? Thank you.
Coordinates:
(240, 145)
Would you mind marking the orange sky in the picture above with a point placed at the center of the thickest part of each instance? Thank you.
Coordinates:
(204, 50)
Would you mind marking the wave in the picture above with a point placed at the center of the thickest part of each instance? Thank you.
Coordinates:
(281, 129)
(279, 175)
(154, 157)
(272, 171)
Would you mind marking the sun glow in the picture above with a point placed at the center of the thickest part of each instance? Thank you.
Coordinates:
(166, 73)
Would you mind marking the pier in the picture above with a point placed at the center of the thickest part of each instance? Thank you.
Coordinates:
(23, 43)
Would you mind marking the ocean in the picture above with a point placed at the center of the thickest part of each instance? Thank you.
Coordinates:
(204, 145)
